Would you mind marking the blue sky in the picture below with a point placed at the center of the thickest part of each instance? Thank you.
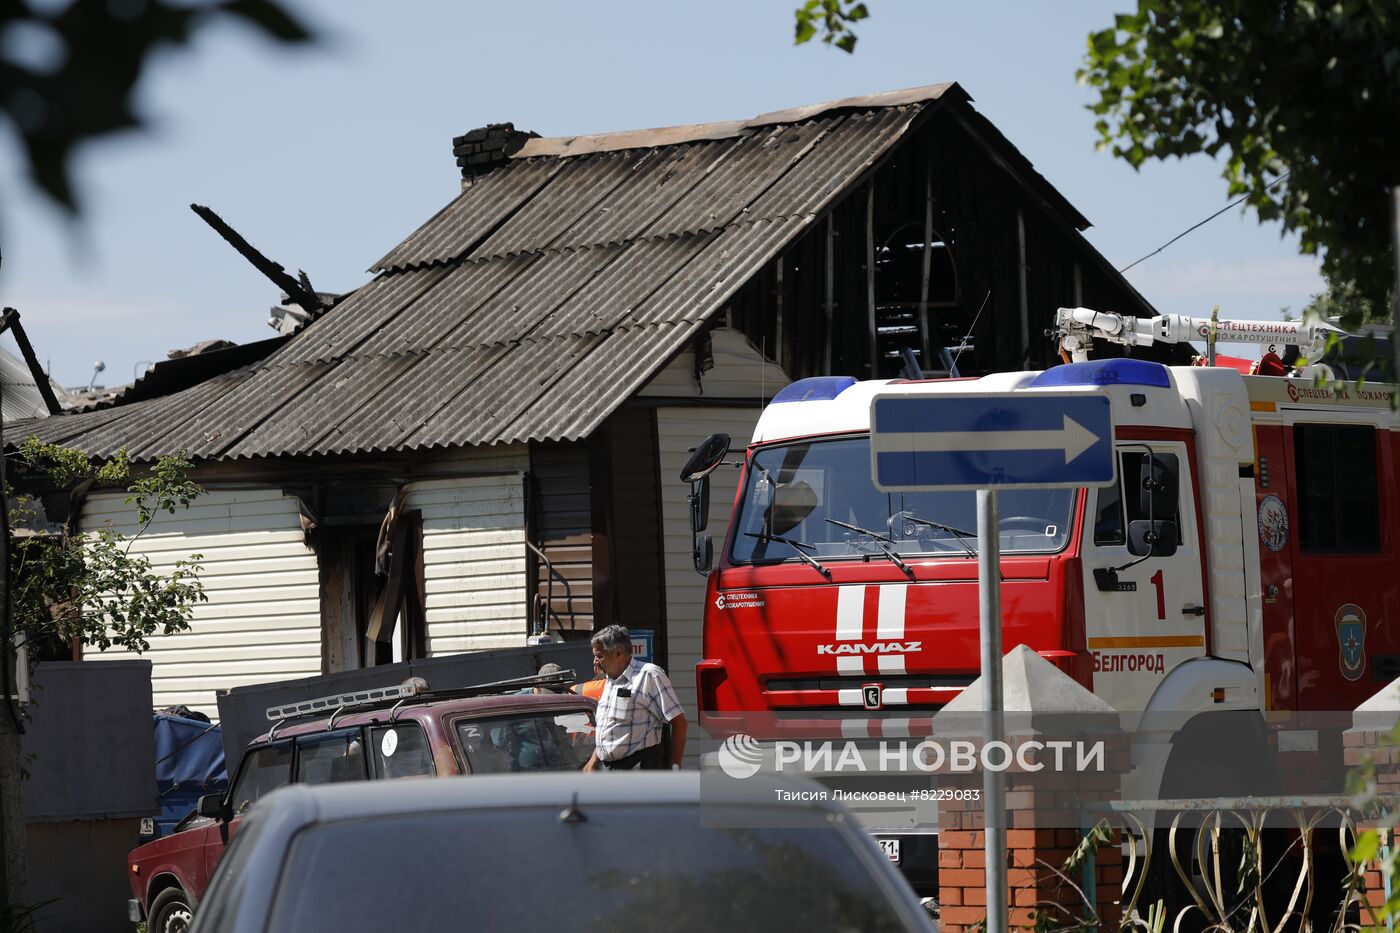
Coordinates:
(325, 158)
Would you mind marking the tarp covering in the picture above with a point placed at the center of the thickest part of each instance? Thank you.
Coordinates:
(189, 764)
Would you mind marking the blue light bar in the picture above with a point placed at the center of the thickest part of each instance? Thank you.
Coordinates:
(817, 388)
(1120, 372)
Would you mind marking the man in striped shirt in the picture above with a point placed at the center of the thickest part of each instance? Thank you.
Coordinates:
(638, 702)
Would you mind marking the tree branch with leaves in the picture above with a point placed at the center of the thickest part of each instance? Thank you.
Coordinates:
(1299, 88)
(829, 20)
(77, 78)
(90, 587)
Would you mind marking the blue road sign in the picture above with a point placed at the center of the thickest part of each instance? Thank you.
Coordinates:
(643, 640)
(954, 441)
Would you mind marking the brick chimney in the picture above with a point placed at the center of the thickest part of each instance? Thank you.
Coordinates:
(487, 147)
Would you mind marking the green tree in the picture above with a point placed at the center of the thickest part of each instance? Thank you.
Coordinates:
(1344, 301)
(831, 21)
(70, 71)
(1298, 98)
(91, 588)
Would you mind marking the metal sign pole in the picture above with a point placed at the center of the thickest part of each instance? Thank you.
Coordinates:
(993, 782)
(1061, 438)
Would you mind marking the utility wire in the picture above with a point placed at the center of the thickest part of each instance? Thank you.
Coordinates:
(1274, 183)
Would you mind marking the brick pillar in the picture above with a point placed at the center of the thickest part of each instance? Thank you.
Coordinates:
(1050, 800)
(1048, 813)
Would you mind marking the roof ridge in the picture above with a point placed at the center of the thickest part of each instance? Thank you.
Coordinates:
(565, 146)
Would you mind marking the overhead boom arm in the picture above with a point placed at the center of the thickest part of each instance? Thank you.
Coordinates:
(1077, 328)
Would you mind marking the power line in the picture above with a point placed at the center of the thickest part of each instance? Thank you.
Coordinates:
(1239, 200)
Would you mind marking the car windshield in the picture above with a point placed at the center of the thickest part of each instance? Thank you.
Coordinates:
(819, 496)
(551, 741)
(619, 868)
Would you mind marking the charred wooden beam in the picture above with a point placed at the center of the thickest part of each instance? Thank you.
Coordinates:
(928, 357)
(9, 319)
(871, 324)
(830, 286)
(1022, 283)
(299, 291)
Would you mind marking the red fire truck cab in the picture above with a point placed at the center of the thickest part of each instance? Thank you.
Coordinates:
(1270, 588)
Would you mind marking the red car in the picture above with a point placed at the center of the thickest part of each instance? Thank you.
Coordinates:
(370, 735)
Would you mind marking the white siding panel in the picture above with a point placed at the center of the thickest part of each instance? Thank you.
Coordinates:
(263, 619)
(474, 559)
(679, 429)
(739, 372)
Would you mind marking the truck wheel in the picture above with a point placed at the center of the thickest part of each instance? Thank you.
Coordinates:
(170, 912)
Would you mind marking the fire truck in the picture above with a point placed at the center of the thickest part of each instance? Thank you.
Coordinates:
(1245, 560)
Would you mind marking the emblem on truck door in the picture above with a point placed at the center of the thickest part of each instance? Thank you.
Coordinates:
(1351, 640)
(1273, 523)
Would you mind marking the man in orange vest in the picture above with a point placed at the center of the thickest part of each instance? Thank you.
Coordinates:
(592, 688)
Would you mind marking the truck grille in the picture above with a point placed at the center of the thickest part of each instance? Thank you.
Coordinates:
(849, 681)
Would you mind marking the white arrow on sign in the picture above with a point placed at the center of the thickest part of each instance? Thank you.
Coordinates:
(1073, 439)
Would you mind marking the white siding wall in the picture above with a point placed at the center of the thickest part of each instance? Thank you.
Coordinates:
(262, 621)
(473, 561)
(679, 429)
(739, 371)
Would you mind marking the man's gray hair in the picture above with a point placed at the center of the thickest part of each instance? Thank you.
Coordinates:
(612, 638)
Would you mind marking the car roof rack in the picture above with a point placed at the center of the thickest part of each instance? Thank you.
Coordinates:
(399, 694)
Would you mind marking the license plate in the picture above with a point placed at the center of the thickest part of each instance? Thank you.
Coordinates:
(891, 849)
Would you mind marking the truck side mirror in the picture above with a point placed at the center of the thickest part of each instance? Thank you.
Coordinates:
(1156, 538)
(706, 458)
(699, 504)
(1157, 488)
(703, 554)
(210, 805)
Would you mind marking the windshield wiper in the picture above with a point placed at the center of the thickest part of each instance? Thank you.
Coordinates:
(797, 546)
(955, 532)
(881, 542)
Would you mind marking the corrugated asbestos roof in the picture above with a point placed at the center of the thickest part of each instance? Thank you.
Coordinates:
(19, 396)
(533, 304)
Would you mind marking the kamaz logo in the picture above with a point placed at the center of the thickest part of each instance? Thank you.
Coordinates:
(877, 647)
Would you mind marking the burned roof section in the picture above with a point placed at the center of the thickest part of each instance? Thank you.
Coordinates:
(553, 287)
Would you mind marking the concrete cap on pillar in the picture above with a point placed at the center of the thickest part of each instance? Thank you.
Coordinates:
(1380, 712)
(1036, 697)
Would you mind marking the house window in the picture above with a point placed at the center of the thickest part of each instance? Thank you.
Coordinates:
(1338, 494)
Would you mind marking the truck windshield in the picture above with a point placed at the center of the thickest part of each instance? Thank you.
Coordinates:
(815, 491)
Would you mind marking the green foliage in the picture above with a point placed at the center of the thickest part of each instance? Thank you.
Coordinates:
(1297, 87)
(63, 468)
(166, 487)
(91, 587)
(87, 57)
(1345, 302)
(1100, 834)
(831, 20)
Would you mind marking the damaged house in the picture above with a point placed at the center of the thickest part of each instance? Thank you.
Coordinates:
(485, 438)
